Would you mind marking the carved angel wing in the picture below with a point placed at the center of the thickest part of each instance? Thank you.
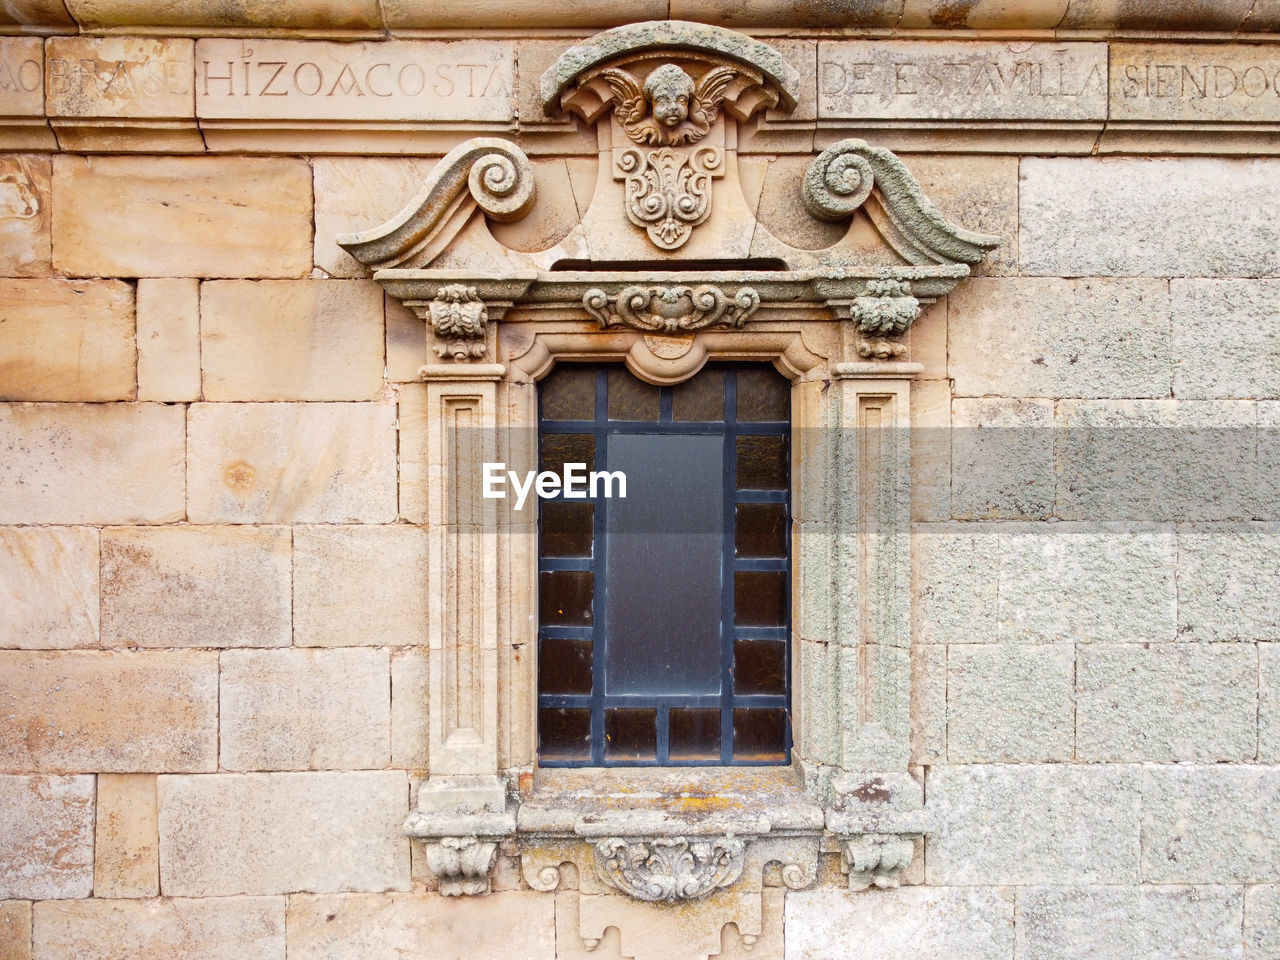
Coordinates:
(708, 94)
(631, 103)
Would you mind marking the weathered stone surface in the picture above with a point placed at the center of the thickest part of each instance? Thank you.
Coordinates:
(91, 463)
(400, 80)
(67, 340)
(305, 709)
(954, 582)
(490, 13)
(48, 587)
(361, 585)
(196, 587)
(422, 925)
(292, 462)
(1224, 344)
(1010, 703)
(1101, 923)
(62, 715)
(22, 67)
(1002, 459)
(1226, 578)
(979, 192)
(126, 851)
(1222, 83)
(181, 216)
(119, 77)
(46, 837)
(1047, 337)
(25, 245)
(992, 824)
(1269, 702)
(309, 832)
(1167, 702)
(1268, 501)
(928, 703)
(1210, 824)
(169, 339)
(15, 929)
(291, 339)
(235, 928)
(1061, 582)
(330, 15)
(1262, 923)
(1157, 460)
(931, 445)
(969, 924)
(410, 715)
(886, 79)
(356, 193)
(1175, 217)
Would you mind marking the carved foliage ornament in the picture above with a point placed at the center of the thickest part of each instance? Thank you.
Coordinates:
(883, 315)
(876, 859)
(661, 309)
(667, 869)
(458, 317)
(668, 192)
(461, 864)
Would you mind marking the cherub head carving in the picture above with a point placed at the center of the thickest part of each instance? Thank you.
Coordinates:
(670, 108)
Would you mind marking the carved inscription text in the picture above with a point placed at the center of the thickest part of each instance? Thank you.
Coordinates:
(1227, 82)
(21, 76)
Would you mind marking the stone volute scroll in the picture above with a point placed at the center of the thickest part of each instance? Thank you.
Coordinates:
(664, 267)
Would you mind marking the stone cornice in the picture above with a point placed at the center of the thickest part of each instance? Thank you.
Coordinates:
(369, 18)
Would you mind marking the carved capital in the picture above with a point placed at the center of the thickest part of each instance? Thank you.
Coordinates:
(458, 317)
(673, 309)
(668, 869)
(462, 864)
(883, 316)
(877, 860)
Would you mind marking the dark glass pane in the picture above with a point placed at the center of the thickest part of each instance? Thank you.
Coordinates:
(630, 398)
(567, 528)
(631, 734)
(564, 735)
(564, 598)
(763, 395)
(564, 666)
(561, 448)
(701, 398)
(763, 463)
(663, 560)
(569, 393)
(694, 735)
(759, 598)
(759, 666)
(761, 529)
(760, 735)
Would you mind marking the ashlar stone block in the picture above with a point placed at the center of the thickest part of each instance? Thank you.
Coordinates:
(63, 711)
(126, 852)
(1167, 702)
(169, 339)
(1148, 217)
(1269, 702)
(1010, 703)
(992, 824)
(67, 340)
(1002, 459)
(1050, 337)
(91, 463)
(974, 923)
(1210, 824)
(119, 77)
(354, 926)
(360, 585)
(244, 928)
(15, 929)
(291, 339)
(1126, 922)
(954, 583)
(305, 709)
(308, 833)
(1262, 923)
(1210, 313)
(46, 837)
(1226, 579)
(292, 463)
(23, 61)
(196, 587)
(410, 708)
(181, 216)
(48, 587)
(25, 218)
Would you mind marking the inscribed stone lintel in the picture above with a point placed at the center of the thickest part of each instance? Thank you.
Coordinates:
(618, 286)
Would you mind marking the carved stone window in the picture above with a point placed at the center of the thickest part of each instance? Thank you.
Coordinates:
(664, 616)
(668, 271)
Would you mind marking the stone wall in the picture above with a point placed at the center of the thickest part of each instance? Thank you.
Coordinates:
(213, 594)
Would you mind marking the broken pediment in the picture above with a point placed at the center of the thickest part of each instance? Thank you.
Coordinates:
(666, 100)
